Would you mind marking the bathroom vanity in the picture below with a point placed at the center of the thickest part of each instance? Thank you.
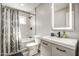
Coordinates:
(54, 46)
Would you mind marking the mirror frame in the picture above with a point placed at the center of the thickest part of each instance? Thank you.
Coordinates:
(71, 22)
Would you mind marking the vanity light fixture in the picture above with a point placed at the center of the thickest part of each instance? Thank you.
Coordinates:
(70, 19)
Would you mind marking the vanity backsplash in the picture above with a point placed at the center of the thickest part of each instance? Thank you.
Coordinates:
(74, 35)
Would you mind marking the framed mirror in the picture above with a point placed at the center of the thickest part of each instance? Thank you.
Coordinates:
(62, 16)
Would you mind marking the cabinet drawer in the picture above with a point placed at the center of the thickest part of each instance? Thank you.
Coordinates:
(58, 50)
(46, 43)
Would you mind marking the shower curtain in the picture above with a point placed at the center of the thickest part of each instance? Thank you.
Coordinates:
(9, 31)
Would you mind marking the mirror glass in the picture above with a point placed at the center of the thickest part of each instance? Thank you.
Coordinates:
(62, 16)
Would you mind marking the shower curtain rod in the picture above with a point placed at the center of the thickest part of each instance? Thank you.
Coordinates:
(19, 10)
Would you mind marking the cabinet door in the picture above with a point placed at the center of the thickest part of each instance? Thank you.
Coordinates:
(46, 49)
(62, 51)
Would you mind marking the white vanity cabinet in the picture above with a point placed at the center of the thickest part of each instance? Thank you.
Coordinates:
(58, 50)
(58, 46)
(46, 48)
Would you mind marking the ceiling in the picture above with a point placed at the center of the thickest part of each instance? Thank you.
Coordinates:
(29, 7)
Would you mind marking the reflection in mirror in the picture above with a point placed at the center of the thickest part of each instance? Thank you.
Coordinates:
(62, 16)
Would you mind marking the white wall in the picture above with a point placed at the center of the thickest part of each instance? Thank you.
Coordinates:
(43, 21)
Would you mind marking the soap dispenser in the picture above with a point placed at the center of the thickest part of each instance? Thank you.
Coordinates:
(64, 34)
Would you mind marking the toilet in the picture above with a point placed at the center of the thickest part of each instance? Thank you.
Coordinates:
(33, 46)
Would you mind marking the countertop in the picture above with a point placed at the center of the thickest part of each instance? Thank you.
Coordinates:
(66, 42)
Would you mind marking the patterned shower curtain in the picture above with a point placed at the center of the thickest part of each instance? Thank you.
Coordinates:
(9, 27)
